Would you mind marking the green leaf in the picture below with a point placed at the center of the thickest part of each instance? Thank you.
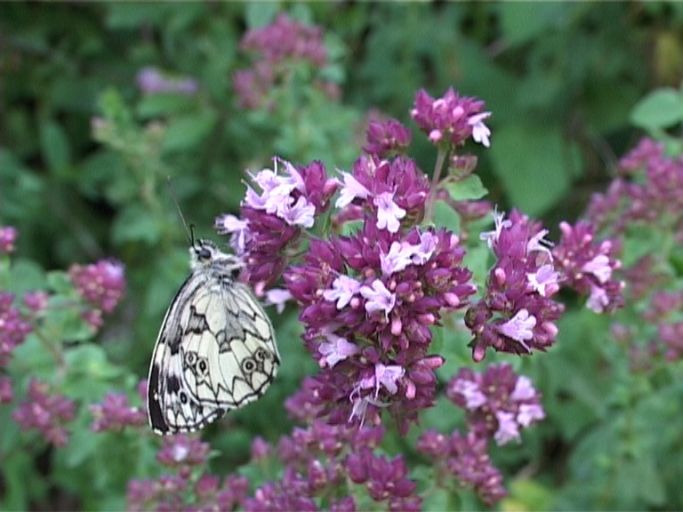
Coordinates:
(446, 217)
(135, 224)
(259, 14)
(659, 109)
(59, 282)
(187, 132)
(521, 22)
(535, 163)
(469, 188)
(155, 105)
(23, 276)
(54, 146)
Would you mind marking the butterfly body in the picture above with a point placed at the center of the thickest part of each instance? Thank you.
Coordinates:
(216, 348)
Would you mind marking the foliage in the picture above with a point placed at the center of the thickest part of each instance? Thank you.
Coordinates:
(110, 111)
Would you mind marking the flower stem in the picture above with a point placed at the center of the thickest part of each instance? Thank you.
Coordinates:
(436, 176)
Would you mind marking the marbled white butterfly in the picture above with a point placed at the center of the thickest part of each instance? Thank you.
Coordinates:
(216, 349)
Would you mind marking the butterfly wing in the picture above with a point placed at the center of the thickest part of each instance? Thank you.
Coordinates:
(215, 351)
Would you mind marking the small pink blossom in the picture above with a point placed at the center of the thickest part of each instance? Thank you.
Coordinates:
(519, 327)
(507, 428)
(528, 413)
(278, 297)
(480, 132)
(474, 398)
(378, 298)
(491, 237)
(544, 280)
(343, 289)
(387, 376)
(352, 189)
(539, 243)
(600, 267)
(524, 389)
(336, 349)
(237, 228)
(388, 212)
(598, 299)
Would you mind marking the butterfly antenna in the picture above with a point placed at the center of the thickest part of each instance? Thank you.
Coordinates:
(189, 231)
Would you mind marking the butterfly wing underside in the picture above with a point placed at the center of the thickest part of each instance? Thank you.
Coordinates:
(215, 351)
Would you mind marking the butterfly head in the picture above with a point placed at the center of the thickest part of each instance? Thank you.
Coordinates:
(204, 253)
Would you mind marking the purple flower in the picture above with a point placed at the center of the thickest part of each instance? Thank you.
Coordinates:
(286, 38)
(588, 266)
(101, 284)
(181, 450)
(272, 218)
(389, 214)
(370, 334)
(498, 403)
(152, 81)
(335, 350)
(45, 412)
(260, 449)
(344, 288)
(8, 237)
(391, 190)
(36, 301)
(278, 297)
(517, 313)
(238, 230)
(545, 280)
(519, 327)
(13, 327)
(385, 137)
(466, 458)
(115, 413)
(275, 47)
(480, 132)
(470, 463)
(378, 298)
(352, 189)
(646, 151)
(451, 118)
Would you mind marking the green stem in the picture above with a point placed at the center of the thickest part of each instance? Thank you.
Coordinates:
(56, 353)
(436, 176)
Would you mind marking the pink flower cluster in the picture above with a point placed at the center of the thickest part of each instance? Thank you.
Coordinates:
(14, 327)
(321, 458)
(498, 402)
(466, 458)
(276, 47)
(588, 266)
(517, 313)
(115, 413)
(101, 284)
(369, 299)
(45, 412)
(649, 191)
(451, 118)
(273, 218)
(8, 237)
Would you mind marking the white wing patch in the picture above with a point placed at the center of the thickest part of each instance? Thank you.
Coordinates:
(216, 351)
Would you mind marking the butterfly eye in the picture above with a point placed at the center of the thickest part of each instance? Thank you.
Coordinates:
(203, 253)
(248, 365)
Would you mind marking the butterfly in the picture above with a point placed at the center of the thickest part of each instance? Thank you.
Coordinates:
(215, 350)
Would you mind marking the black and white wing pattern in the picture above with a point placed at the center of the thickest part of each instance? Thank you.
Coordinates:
(215, 351)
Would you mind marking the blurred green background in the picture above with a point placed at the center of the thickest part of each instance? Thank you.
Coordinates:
(85, 156)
